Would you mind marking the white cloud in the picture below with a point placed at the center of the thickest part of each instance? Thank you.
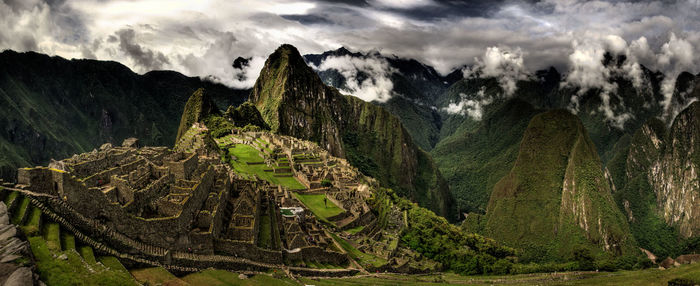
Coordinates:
(676, 56)
(185, 31)
(367, 77)
(472, 106)
(502, 63)
(587, 72)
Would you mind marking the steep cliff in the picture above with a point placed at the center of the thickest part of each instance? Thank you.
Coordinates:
(668, 162)
(675, 175)
(294, 101)
(555, 197)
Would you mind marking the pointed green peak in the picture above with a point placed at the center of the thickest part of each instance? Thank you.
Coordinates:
(199, 106)
(285, 77)
(556, 197)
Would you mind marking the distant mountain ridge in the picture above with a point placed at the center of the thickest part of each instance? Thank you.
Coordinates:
(51, 107)
(474, 154)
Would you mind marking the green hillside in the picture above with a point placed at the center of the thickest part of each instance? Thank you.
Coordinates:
(472, 161)
(556, 199)
(51, 107)
(642, 163)
(197, 108)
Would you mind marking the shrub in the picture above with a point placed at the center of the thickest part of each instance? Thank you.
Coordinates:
(582, 255)
(326, 183)
(502, 267)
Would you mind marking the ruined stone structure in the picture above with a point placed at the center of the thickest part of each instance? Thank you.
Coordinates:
(183, 209)
(316, 169)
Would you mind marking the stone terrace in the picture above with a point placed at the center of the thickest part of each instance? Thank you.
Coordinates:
(183, 209)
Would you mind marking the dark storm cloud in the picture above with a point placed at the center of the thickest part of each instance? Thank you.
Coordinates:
(144, 57)
(25, 23)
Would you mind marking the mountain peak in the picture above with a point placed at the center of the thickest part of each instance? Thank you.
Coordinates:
(287, 52)
(198, 107)
(284, 76)
(556, 194)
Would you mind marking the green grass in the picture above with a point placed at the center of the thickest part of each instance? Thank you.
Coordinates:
(87, 254)
(11, 197)
(73, 270)
(31, 227)
(113, 263)
(364, 259)
(265, 233)
(52, 233)
(647, 277)
(67, 241)
(156, 276)
(247, 154)
(315, 203)
(355, 230)
(223, 278)
(21, 210)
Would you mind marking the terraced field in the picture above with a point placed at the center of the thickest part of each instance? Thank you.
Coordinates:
(322, 209)
(248, 161)
(59, 258)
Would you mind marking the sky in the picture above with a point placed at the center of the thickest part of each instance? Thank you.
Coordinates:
(507, 39)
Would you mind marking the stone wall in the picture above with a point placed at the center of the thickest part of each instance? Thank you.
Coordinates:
(183, 169)
(248, 251)
(315, 253)
(92, 203)
(364, 219)
(153, 191)
(125, 193)
(308, 272)
(41, 180)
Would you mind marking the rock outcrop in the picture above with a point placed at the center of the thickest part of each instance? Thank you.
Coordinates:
(13, 247)
(674, 175)
(670, 160)
(294, 101)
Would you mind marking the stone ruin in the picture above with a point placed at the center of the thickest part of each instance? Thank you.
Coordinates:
(181, 208)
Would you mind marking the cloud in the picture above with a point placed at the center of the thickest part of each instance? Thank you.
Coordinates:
(202, 38)
(143, 57)
(472, 107)
(403, 4)
(502, 63)
(367, 77)
(33, 25)
(587, 71)
(676, 56)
